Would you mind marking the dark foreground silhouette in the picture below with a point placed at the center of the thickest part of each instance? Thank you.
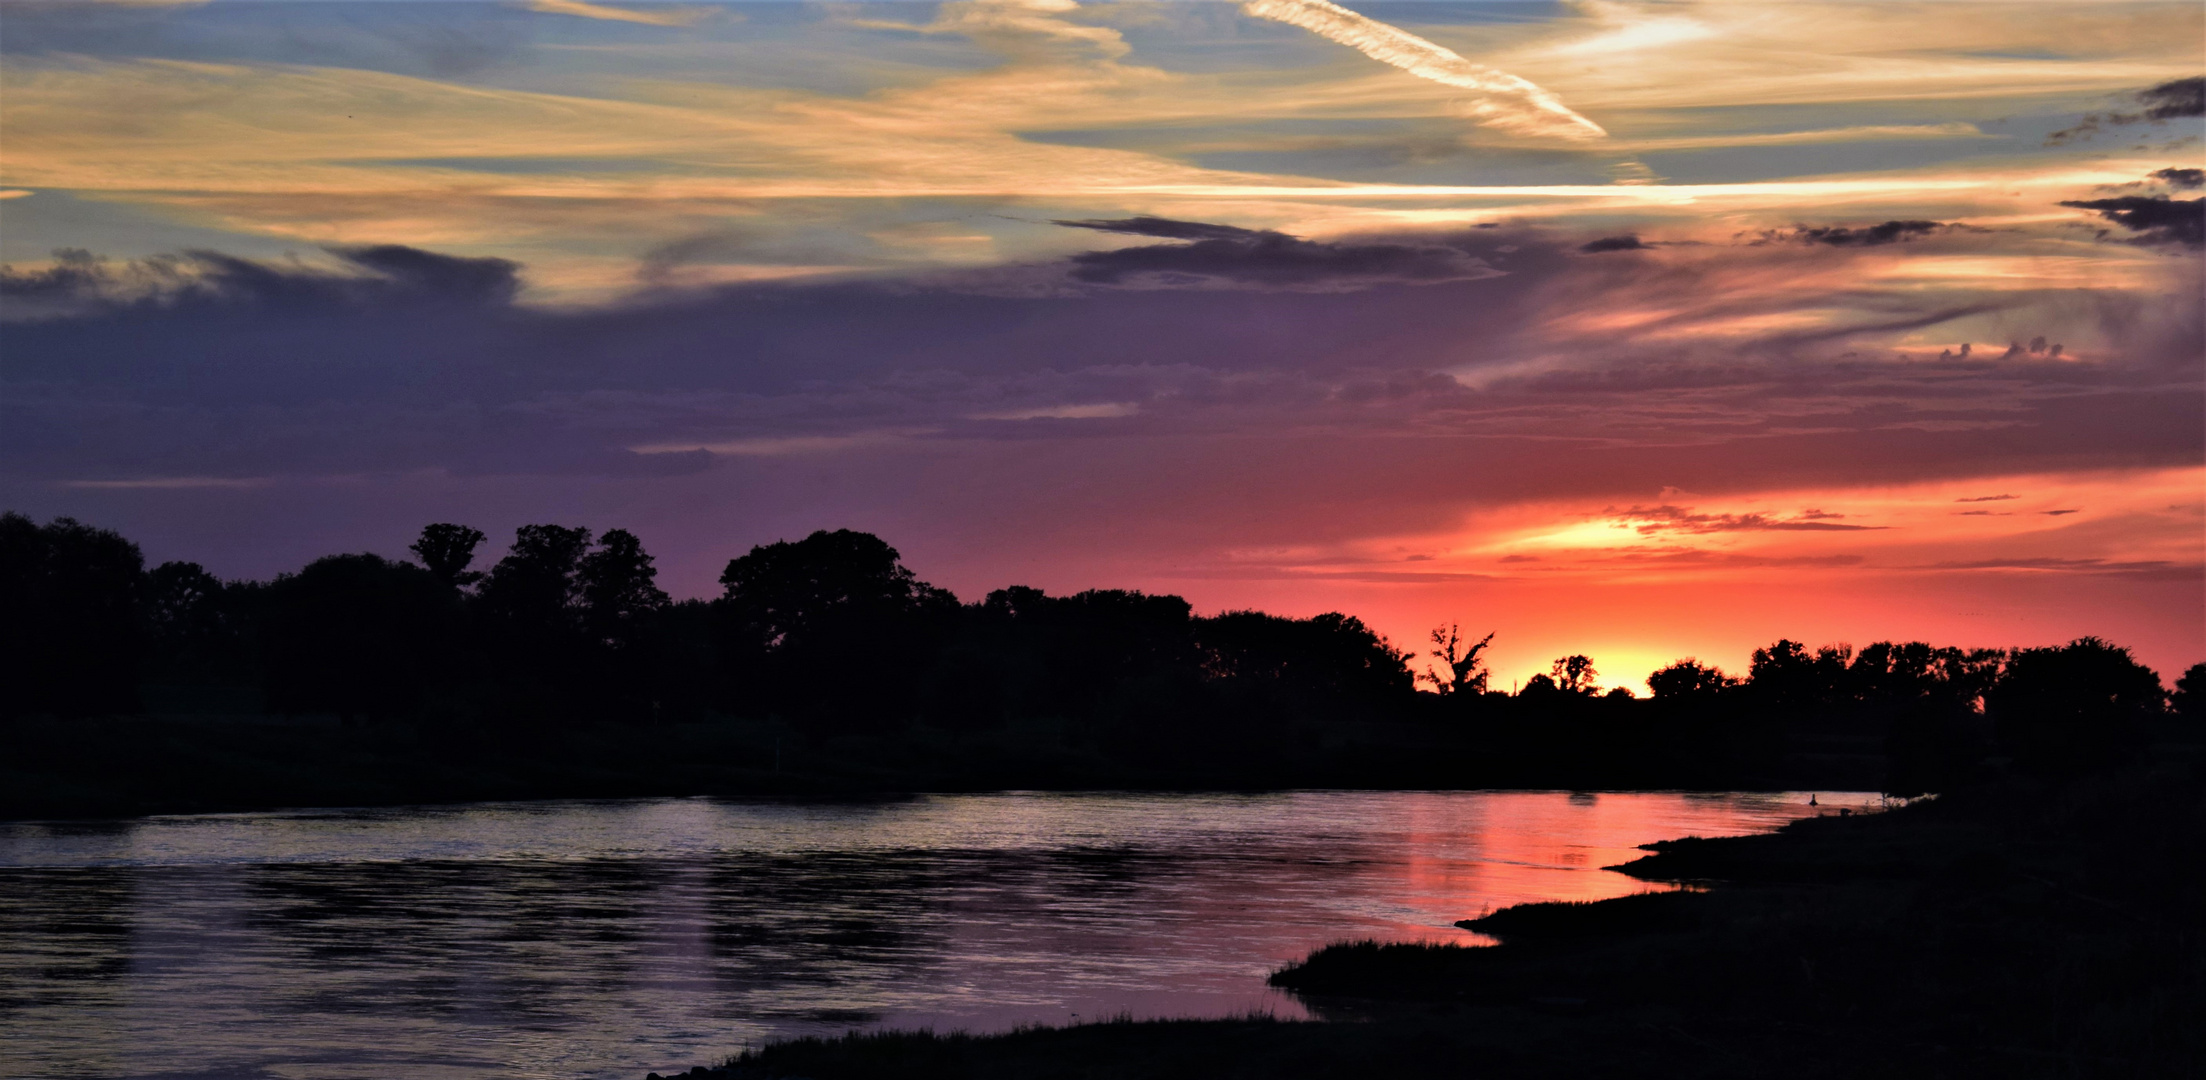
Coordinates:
(826, 666)
(2018, 929)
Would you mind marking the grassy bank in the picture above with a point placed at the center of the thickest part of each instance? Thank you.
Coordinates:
(2012, 931)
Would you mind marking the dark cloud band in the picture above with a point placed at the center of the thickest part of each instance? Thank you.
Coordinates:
(1262, 258)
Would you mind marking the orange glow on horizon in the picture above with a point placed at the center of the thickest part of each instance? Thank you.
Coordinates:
(1993, 562)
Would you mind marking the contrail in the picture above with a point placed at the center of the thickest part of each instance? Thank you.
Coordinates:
(1510, 103)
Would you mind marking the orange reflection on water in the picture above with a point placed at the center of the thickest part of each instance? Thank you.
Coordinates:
(1462, 858)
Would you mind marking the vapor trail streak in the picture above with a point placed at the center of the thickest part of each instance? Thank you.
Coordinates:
(1510, 103)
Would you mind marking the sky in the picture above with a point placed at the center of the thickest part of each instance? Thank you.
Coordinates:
(1638, 330)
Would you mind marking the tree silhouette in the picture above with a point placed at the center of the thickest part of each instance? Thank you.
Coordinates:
(2073, 708)
(1787, 676)
(531, 634)
(70, 614)
(198, 628)
(833, 626)
(2189, 699)
(785, 588)
(1965, 675)
(833, 633)
(446, 550)
(1332, 655)
(538, 584)
(181, 600)
(1467, 673)
(1574, 674)
(1884, 671)
(355, 635)
(1925, 700)
(618, 589)
(1082, 647)
(1689, 679)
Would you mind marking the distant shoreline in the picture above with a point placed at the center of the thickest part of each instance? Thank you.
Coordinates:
(828, 667)
(120, 767)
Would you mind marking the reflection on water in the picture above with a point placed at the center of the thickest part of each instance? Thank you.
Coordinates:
(602, 939)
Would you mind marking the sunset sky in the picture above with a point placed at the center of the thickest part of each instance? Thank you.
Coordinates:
(1640, 330)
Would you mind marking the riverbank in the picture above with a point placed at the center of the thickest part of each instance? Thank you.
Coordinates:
(107, 767)
(2013, 931)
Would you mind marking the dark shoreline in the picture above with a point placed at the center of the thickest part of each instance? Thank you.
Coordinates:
(2012, 930)
(116, 767)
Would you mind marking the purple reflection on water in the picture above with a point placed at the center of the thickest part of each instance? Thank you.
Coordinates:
(603, 939)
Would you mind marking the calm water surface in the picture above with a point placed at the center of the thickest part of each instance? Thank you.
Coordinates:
(604, 939)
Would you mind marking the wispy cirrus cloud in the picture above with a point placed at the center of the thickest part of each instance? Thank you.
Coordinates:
(1016, 26)
(1504, 100)
(653, 16)
(168, 483)
(1854, 133)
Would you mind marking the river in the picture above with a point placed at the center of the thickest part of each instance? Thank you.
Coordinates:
(602, 939)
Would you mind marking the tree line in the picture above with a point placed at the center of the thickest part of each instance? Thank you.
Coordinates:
(833, 635)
